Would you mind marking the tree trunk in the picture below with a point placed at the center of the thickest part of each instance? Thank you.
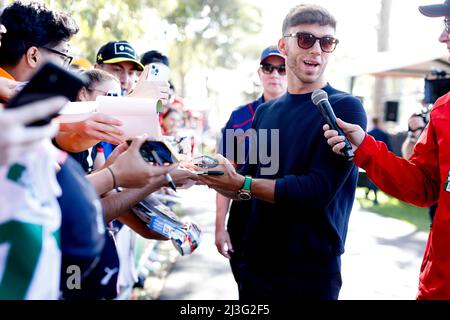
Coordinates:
(383, 45)
(182, 74)
(182, 91)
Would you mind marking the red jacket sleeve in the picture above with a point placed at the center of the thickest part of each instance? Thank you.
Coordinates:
(415, 181)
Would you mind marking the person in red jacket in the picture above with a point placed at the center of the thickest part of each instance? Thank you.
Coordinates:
(422, 180)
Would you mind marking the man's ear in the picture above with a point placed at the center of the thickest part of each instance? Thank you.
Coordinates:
(83, 95)
(282, 46)
(260, 74)
(33, 57)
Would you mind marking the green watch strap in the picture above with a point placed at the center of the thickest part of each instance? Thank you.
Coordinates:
(247, 183)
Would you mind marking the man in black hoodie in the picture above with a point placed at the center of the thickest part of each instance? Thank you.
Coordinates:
(302, 197)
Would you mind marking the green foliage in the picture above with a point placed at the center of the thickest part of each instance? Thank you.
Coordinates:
(101, 21)
(210, 33)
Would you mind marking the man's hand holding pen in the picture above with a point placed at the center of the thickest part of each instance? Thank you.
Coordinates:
(133, 171)
(227, 184)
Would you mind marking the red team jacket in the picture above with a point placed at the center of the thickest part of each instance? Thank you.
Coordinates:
(421, 181)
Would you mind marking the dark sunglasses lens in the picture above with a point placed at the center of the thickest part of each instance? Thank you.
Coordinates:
(447, 25)
(417, 129)
(267, 68)
(306, 40)
(328, 44)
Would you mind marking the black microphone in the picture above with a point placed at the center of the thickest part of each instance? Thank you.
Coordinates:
(320, 99)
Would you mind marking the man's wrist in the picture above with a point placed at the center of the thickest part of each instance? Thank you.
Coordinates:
(113, 177)
(117, 174)
(244, 192)
(239, 183)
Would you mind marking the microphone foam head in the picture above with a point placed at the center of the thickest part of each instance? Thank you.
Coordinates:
(318, 95)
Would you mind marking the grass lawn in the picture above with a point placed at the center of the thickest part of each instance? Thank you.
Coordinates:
(393, 208)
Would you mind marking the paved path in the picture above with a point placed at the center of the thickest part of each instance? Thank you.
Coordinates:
(204, 275)
(382, 258)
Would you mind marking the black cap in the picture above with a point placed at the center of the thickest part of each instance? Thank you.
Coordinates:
(436, 10)
(118, 51)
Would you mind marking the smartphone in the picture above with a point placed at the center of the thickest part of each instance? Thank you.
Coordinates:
(158, 72)
(164, 152)
(211, 173)
(49, 81)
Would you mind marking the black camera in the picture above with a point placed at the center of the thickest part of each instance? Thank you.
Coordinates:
(150, 146)
(49, 81)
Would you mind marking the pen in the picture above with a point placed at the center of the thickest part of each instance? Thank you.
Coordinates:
(181, 139)
(211, 173)
(166, 175)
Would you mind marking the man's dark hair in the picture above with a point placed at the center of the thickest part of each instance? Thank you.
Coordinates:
(32, 24)
(308, 14)
(154, 56)
(421, 115)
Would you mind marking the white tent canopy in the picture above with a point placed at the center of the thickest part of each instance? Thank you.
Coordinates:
(395, 64)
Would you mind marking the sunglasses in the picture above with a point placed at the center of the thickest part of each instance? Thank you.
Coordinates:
(447, 25)
(417, 129)
(67, 60)
(105, 93)
(307, 40)
(268, 68)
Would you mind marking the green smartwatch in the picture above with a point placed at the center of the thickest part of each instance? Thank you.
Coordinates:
(245, 193)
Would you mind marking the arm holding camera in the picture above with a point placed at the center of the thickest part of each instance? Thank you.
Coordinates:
(141, 179)
(117, 204)
(121, 174)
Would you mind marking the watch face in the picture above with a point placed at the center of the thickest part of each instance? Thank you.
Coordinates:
(244, 195)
